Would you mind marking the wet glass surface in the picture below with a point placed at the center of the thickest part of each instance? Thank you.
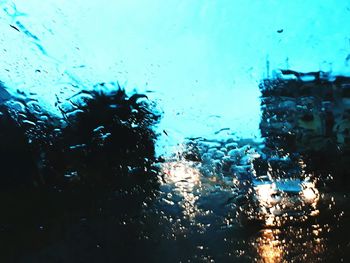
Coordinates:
(174, 131)
(191, 215)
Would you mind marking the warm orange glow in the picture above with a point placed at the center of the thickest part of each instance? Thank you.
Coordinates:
(269, 247)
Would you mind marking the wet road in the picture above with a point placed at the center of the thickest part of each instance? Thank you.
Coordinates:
(202, 213)
(189, 218)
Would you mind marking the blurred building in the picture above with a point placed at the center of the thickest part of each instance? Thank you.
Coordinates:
(308, 114)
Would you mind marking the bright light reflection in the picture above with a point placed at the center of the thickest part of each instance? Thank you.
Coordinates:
(269, 247)
(291, 244)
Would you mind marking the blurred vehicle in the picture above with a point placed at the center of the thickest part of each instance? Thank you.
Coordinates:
(272, 200)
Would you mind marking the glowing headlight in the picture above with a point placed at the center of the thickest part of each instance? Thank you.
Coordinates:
(310, 194)
(265, 193)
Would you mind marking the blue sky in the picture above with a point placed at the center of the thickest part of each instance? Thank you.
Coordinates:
(203, 59)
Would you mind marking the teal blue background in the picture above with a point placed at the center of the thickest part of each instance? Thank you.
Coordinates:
(203, 59)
